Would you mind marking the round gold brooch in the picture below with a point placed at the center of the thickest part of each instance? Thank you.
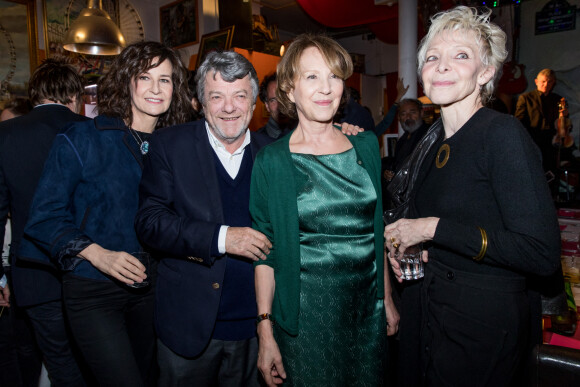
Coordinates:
(442, 153)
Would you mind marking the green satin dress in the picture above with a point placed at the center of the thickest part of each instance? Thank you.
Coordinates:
(342, 327)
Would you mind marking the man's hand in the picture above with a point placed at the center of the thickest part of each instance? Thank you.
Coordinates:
(392, 316)
(349, 129)
(247, 242)
(118, 264)
(5, 296)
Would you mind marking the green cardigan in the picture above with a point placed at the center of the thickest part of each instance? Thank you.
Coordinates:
(274, 210)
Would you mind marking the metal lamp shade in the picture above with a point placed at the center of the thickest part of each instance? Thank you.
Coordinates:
(94, 33)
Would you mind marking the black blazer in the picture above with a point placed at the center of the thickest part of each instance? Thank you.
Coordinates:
(179, 211)
(24, 146)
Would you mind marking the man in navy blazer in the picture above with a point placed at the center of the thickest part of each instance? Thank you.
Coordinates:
(55, 91)
(194, 212)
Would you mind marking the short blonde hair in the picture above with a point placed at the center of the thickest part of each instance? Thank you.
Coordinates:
(548, 73)
(335, 56)
(489, 37)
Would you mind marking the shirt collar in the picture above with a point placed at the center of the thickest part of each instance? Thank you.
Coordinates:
(49, 104)
(217, 144)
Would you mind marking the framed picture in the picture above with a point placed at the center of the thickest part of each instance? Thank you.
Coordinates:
(178, 21)
(358, 62)
(219, 40)
(18, 39)
(58, 16)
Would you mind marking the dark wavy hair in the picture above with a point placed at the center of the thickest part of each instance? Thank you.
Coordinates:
(55, 80)
(114, 92)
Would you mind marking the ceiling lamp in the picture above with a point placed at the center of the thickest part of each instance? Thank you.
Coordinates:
(94, 32)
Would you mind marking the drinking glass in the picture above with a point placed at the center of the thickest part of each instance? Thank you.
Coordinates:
(410, 262)
(145, 259)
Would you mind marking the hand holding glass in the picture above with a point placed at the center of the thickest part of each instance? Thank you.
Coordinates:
(145, 259)
(410, 261)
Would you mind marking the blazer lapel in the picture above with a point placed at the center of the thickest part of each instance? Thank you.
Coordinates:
(206, 164)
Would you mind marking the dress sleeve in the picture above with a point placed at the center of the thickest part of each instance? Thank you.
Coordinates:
(259, 207)
(529, 240)
(51, 223)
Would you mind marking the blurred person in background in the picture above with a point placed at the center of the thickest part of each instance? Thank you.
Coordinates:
(55, 90)
(15, 107)
(279, 124)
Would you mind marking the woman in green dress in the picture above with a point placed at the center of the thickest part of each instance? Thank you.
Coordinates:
(323, 293)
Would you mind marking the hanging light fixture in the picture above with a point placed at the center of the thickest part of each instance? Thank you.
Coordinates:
(94, 32)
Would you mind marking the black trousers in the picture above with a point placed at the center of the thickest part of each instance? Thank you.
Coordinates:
(222, 363)
(113, 327)
(475, 328)
(20, 357)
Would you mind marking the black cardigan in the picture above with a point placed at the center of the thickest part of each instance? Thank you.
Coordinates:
(493, 179)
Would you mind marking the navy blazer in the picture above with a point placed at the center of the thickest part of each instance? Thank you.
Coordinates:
(25, 143)
(179, 211)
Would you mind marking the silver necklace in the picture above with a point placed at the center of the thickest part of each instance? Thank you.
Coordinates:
(143, 145)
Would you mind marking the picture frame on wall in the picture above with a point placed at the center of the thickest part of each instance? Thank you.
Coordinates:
(219, 40)
(18, 44)
(179, 23)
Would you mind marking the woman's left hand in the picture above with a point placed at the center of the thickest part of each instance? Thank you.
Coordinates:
(392, 316)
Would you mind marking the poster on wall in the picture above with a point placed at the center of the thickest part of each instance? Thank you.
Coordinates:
(17, 45)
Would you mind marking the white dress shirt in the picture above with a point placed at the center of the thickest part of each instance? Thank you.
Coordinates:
(231, 162)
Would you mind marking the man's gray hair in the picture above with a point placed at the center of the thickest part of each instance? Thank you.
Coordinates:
(231, 66)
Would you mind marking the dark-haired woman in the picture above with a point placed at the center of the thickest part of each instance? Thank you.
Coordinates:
(85, 204)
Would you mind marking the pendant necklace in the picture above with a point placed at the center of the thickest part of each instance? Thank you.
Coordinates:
(143, 145)
(445, 150)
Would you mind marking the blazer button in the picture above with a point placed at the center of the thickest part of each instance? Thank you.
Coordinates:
(215, 285)
(450, 275)
(359, 162)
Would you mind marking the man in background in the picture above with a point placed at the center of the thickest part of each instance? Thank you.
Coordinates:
(20, 358)
(356, 114)
(55, 91)
(278, 124)
(538, 111)
(411, 119)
